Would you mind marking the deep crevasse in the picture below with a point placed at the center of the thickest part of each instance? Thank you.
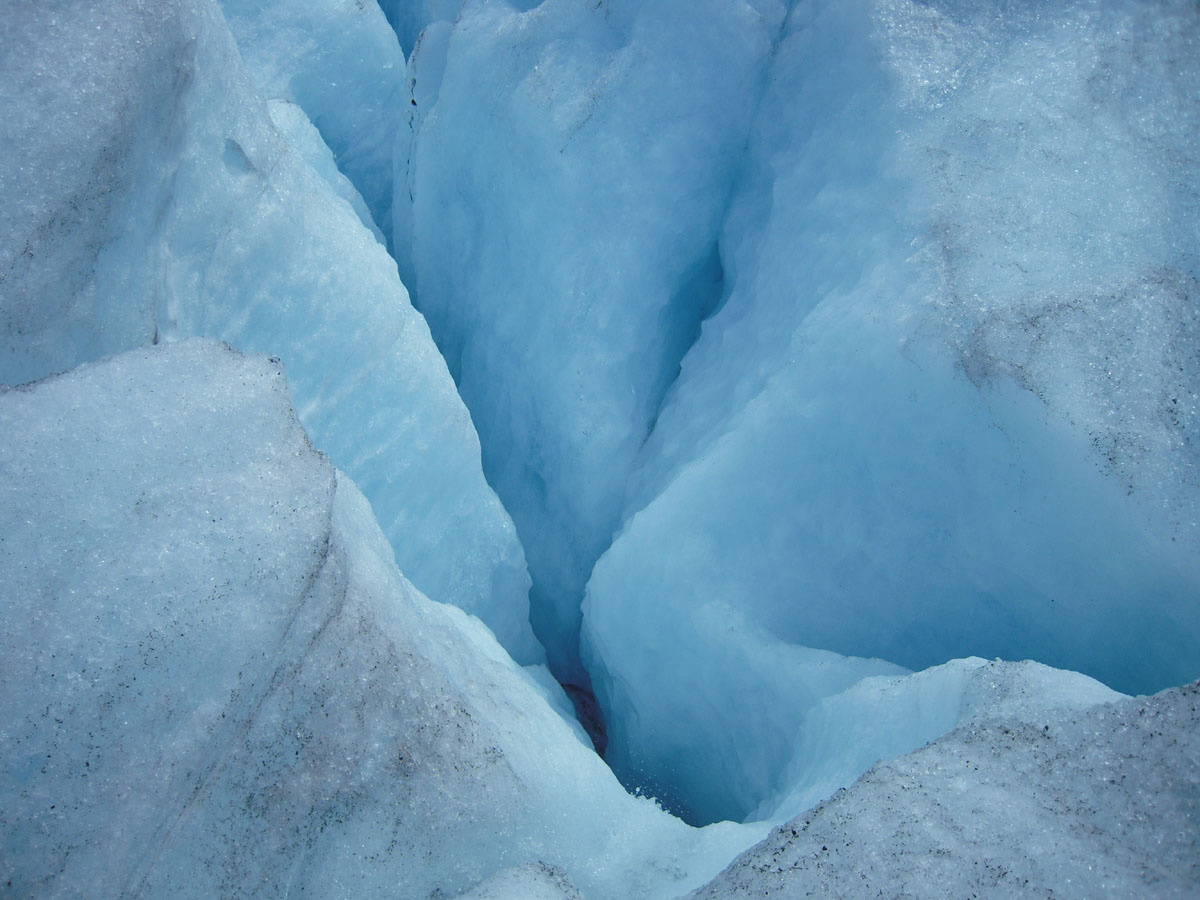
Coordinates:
(946, 407)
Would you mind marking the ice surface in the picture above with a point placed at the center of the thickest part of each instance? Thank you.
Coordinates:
(1102, 803)
(564, 196)
(409, 18)
(342, 64)
(884, 717)
(295, 128)
(147, 196)
(226, 688)
(532, 882)
(948, 405)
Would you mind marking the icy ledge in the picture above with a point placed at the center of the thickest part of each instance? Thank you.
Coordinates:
(1102, 804)
(217, 682)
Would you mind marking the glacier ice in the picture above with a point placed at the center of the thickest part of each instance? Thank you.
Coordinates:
(948, 404)
(226, 688)
(147, 196)
(295, 128)
(825, 342)
(341, 63)
(1100, 803)
(560, 204)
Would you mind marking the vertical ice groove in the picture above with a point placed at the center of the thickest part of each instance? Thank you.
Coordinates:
(568, 185)
(954, 382)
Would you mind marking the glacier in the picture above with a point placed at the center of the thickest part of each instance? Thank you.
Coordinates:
(229, 689)
(173, 207)
(810, 389)
(949, 404)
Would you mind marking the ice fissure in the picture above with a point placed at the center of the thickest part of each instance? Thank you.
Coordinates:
(806, 393)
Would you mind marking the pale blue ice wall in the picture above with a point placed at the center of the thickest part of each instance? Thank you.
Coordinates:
(568, 174)
(343, 66)
(950, 404)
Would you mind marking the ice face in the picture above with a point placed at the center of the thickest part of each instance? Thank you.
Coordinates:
(1102, 801)
(949, 404)
(564, 194)
(295, 128)
(341, 64)
(227, 687)
(159, 201)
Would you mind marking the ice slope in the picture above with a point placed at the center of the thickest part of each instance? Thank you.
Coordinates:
(949, 404)
(884, 717)
(217, 683)
(560, 205)
(341, 63)
(295, 128)
(146, 196)
(1103, 803)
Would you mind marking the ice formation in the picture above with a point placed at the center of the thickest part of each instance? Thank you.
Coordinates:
(1101, 804)
(818, 351)
(949, 404)
(568, 171)
(343, 66)
(226, 688)
(157, 200)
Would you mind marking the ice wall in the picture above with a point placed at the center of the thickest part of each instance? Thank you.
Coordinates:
(341, 63)
(217, 683)
(147, 196)
(949, 405)
(560, 205)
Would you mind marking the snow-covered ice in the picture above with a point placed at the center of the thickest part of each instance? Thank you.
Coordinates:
(1103, 803)
(217, 683)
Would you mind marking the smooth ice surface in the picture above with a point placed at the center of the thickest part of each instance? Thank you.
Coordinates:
(560, 205)
(1101, 803)
(341, 63)
(226, 688)
(949, 404)
(295, 128)
(145, 195)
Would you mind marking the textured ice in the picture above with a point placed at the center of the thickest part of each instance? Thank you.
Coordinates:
(1102, 803)
(295, 128)
(949, 404)
(531, 882)
(409, 18)
(884, 717)
(560, 207)
(146, 196)
(341, 64)
(226, 688)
